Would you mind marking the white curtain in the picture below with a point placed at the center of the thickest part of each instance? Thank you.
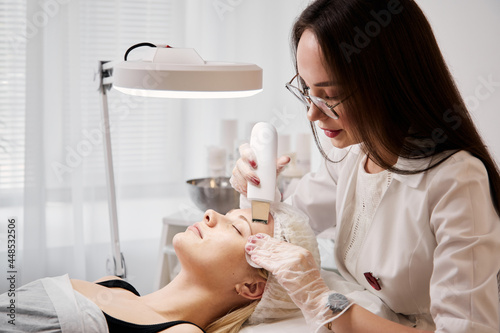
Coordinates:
(60, 201)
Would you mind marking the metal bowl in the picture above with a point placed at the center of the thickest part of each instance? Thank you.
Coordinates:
(213, 193)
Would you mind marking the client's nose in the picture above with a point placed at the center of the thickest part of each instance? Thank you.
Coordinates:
(210, 218)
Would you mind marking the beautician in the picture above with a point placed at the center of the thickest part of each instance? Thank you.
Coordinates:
(410, 186)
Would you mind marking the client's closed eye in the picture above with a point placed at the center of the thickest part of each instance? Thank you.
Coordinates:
(238, 230)
(240, 223)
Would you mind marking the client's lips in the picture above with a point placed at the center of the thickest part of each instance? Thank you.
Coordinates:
(196, 229)
(331, 133)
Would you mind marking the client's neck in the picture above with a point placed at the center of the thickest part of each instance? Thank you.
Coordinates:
(185, 298)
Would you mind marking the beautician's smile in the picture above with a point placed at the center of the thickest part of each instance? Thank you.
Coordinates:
(330, 133)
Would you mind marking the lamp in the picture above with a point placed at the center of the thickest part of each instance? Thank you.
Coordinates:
(171, 73)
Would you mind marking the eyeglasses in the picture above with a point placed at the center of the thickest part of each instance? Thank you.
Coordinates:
(320, 103)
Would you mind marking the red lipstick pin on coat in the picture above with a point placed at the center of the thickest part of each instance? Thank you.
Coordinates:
(372, 280)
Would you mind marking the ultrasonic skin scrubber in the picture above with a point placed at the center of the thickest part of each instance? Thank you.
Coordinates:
(264, 142)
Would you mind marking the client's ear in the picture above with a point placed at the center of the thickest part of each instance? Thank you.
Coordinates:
(252, 290)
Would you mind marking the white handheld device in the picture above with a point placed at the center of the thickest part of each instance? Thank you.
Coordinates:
(264, 142)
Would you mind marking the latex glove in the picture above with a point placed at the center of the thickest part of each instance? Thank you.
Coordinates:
(243, 171)
(297, 272)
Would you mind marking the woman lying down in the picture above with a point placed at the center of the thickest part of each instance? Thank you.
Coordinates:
(215, 291)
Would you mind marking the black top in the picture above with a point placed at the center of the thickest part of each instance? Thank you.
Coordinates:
(119, 326)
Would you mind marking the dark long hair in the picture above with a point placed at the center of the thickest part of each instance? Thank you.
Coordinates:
(404, 99)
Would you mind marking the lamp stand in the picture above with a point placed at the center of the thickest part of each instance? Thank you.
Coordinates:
(189, 76)
(116, 264)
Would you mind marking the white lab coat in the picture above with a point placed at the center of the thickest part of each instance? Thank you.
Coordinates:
(434, 242)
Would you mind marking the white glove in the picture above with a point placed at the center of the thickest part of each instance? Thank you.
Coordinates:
(296, 271)
(243, 171)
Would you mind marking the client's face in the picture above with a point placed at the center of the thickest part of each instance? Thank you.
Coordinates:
(215, 247)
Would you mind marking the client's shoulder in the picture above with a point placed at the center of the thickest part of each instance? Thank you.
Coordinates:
(108, 278)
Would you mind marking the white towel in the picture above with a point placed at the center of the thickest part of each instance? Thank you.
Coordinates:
(50, 305)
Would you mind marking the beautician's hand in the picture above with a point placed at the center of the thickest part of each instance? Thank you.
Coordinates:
(296, 271)
(243, 171)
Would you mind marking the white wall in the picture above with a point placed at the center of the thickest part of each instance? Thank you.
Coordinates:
(468, 33)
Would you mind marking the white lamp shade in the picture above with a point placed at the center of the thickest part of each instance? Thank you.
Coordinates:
(182, 73)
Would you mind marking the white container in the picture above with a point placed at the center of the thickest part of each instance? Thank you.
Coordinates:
(290, 176)
(284, 145)
(303, 152)
(216, 161)
(229, 140)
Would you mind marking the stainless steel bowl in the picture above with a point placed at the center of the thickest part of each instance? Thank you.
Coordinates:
(213, 193)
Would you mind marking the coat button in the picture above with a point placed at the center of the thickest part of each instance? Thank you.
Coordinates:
(372, 280)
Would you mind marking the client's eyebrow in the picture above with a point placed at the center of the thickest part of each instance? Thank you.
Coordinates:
(249, 224)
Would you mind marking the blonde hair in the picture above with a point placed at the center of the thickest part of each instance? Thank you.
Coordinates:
(232, 322)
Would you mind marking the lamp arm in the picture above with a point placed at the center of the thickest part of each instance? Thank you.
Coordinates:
(115, 265)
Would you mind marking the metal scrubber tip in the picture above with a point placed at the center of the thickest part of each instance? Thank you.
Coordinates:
(260, 211)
